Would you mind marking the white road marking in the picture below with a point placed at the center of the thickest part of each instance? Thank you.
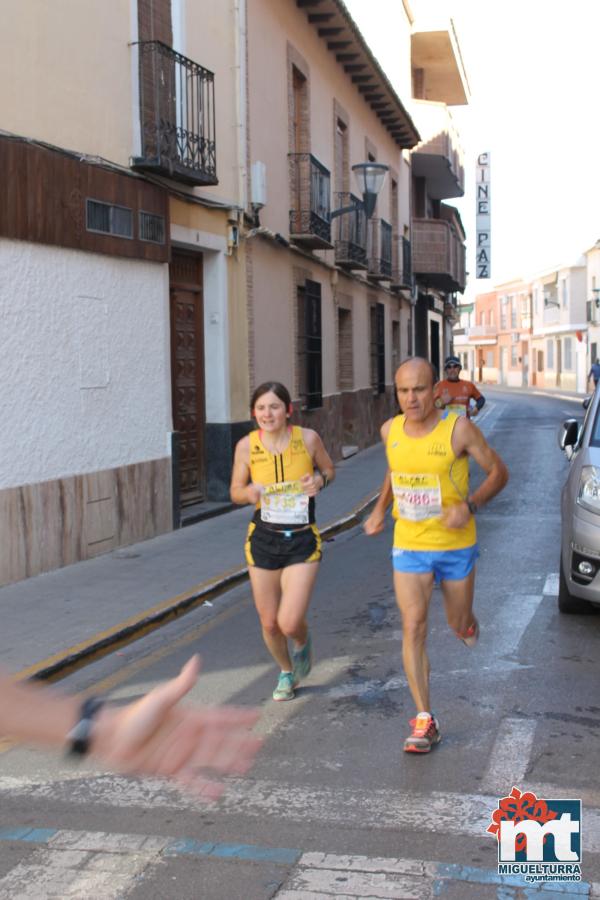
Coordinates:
(510, 756)
(82, 864)
(433, 812)
(551, 585)
(510, 623)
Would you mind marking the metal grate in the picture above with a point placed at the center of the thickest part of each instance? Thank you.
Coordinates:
(152, 228)
(106, 218)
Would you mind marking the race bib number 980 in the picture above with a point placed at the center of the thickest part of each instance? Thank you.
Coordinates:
(417, 497)
(284, 504)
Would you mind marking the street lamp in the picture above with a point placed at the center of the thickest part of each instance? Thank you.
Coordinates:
(370, 177)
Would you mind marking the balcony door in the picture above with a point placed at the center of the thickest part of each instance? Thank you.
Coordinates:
(187, 374)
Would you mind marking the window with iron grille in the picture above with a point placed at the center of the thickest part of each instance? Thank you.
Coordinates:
(310, 345)
(377, 336)
(152, 228)
(107, 218)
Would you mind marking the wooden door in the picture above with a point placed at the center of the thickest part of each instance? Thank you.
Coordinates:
(187, 372)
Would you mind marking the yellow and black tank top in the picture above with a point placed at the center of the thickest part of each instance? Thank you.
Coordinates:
(427, 477)
(281, 473)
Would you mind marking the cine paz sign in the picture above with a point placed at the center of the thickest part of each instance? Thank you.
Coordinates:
(483, 225)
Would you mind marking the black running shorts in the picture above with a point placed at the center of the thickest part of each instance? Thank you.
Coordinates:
(267, 548)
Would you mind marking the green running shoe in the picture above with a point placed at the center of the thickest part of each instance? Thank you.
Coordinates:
(302, 660)
(285, 687)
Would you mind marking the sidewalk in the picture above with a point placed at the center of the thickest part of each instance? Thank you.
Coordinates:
(55, 622)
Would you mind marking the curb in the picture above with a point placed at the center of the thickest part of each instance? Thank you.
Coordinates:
(62, 664)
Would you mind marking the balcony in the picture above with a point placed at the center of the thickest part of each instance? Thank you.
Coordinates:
(310, 224)
(439, 156)
(177, 116)
(401, 264)
(379, 250)
(438, 70)
(481, 331)
(350, 234)
(438, 254)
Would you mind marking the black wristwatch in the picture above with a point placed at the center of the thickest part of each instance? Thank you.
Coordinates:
(79, 736)
(472, 507)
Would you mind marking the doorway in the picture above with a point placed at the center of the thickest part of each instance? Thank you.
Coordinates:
(187, 375)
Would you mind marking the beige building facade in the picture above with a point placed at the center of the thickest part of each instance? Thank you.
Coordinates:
(329, 296)
(171, 239)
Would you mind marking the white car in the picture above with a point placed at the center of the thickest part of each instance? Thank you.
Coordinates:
(579, 580)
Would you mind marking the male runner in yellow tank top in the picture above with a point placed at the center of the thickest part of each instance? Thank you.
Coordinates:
(428, 454)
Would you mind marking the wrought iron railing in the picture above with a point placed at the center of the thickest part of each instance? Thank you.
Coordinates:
(350, 233)
(311, 203)
(177, 116)
(379, 249)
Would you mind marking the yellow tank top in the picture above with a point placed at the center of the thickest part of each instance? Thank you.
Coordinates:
(283, 470)
(427, 477)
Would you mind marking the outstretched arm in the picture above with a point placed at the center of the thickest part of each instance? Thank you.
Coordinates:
(152, 736)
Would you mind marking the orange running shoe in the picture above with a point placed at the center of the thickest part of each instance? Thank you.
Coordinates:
(425, 733)
(471, 635)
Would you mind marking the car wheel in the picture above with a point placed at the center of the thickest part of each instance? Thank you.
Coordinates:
(567, 603)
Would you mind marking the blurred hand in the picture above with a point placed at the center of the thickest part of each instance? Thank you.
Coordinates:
(374, 523)
(456, 516)
(311, 484)
(254, 492)
(158, 737)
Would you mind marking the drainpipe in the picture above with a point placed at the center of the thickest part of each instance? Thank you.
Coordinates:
(240, 98)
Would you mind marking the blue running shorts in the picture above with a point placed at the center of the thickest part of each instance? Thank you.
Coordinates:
(446, 565)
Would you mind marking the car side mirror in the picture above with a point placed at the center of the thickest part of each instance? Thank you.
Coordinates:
(585, 403)
(568, 436)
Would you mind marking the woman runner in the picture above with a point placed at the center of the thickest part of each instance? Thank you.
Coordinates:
(280, 468)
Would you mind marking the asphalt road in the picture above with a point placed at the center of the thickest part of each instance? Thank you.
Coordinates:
(333, 806)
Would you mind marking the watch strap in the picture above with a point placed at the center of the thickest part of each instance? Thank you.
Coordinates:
(79, 736)
(472, 507)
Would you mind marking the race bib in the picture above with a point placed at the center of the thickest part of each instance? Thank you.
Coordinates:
(417, 497)
(284, 504)
(459, 408)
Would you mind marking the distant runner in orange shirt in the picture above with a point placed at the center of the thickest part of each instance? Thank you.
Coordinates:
(455, 394)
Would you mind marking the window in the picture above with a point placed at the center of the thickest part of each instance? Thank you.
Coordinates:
(514, 359)
(342, 159)
(309, 348)
(550, 354)
(152, 228)
(535, 301)
(564, 293)
(503, 314)
(568, 354)
(377, 342)
(107, 218)
(482, 318)
(524, 306)
(513, 312)
(345, 355)
(491, 317)
(395, 346)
